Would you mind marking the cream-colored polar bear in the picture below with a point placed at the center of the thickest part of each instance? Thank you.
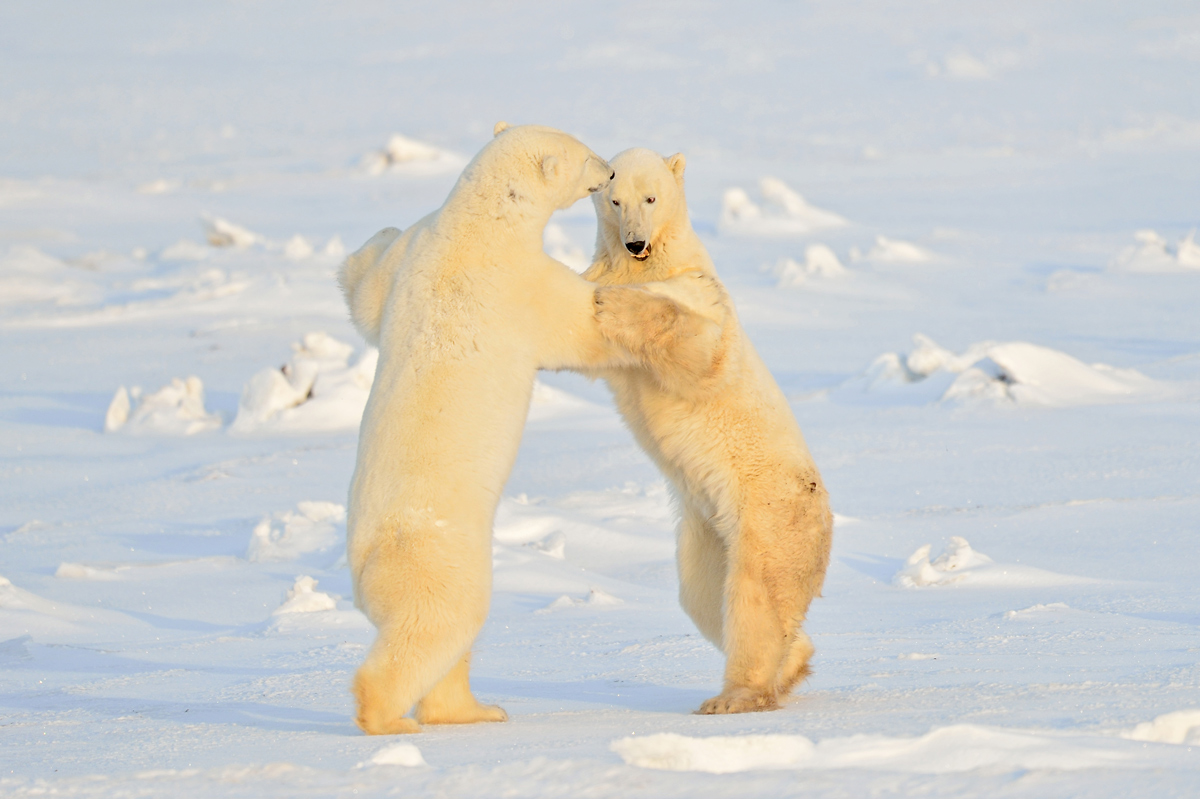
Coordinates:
(756, 527)
(465, 308)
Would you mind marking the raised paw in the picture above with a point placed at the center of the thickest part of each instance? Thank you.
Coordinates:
(738, 700)
(633, 316)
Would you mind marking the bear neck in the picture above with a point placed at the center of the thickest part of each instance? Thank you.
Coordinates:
(493, 189)
(522, 218)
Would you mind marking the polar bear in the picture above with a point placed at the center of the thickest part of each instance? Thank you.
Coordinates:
(465, 307)
(756, 528)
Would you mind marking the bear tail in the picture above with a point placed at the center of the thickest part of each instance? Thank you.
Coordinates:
(365, 283)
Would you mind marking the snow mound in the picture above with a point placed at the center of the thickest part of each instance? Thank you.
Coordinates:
(175, 409)
(288, 535)
(402, 155)
(1007, 373)
(303, 597)
(223, 233)
(783, 212)
(952, 749)
(553, 545)
(893, 251)
(595, 598)
(819, 262)
(1180, 727)
(959, 564)
(1036, 611)
(724, 754)
(560, 247)
(396, 755)
(1152, 254)
(81, 571)
(317, 390)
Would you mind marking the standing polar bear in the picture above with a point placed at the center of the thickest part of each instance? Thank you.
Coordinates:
(756, 528)
(444, 419)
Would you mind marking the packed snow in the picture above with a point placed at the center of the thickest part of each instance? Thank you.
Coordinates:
(972, 270)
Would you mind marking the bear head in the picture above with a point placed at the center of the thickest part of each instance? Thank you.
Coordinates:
(562, 169)
(642, 202)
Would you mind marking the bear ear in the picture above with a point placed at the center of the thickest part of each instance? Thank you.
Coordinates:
(676, 163)
(501, 126)
(549, 167)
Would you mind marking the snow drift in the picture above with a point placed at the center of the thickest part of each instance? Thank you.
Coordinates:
(402, 155)
(953, 749)
(313, 528)
(783, 212)
(1153, 254)
(893, 251)
(959, 564)
(175, 409)
(819, 262)
(1005, 373)
(317, 390)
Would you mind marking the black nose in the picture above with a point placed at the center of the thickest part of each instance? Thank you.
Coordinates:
(613, 175)
(635, 247)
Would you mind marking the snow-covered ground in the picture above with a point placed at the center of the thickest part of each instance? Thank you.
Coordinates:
(961, 235)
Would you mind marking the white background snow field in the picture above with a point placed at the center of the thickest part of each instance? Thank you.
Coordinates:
(962, 236)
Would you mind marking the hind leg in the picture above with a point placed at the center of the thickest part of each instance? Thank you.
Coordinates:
(701, 558)
(451, 700)
(429, 601)
(755, 635)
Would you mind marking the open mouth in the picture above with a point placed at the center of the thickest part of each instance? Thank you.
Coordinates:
(643, 255)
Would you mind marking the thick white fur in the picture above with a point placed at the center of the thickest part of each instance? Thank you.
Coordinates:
(756, 528)
(465, 308)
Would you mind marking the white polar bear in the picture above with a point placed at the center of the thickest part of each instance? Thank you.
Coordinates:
(756, 527)
(465, 307)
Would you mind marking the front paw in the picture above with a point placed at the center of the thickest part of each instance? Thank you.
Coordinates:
(632, 315)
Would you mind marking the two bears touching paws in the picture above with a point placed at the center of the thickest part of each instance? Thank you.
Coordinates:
(456, 371)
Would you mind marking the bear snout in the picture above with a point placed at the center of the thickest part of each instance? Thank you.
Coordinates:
(638, 249)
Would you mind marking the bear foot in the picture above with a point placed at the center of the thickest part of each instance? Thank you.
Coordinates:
(738, 700)
(460, 715)
(378, 726)
(378, 712)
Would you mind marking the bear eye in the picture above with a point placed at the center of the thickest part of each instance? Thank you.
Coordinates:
(650, 199)
(616, 203)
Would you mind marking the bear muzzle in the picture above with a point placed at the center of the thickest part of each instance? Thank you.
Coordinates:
(638, 249)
